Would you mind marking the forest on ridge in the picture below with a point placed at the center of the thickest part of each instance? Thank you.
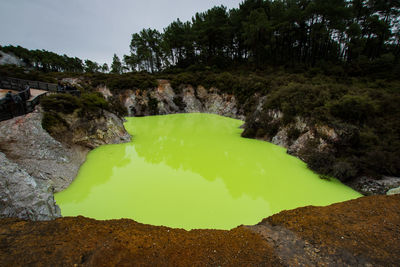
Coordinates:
(358, 37)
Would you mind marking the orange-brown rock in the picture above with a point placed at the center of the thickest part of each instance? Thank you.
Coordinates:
(87, 242)
(362, 232)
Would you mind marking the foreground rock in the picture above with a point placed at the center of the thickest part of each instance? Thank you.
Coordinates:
(33, 163)
(361, 232)
(57, 162)
(24, 197)
(24, 141)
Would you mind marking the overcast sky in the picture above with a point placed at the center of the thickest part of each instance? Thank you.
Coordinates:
(91, 29)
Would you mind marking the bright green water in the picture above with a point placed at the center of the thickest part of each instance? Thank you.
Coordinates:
(193, 171)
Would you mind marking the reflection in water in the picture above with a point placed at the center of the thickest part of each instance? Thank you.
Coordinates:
(193, 171)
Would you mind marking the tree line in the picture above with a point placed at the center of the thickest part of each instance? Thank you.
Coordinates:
(357, 33)
(46, 61)
(361, 35)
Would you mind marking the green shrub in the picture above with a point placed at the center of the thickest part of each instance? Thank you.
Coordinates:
(249, 132)
(381, 161)
(116, 106)
(87, 103)
(26, 74)
(251, 127)
(297, 99)
(321, 162)
(93, 102)
(52, 120)
(183, 79)
(344, 171)
(64, 103)
(260, 133)
(123, 81)
(353, 108)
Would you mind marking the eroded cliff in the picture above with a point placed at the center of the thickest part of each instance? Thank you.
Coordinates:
(167, 100)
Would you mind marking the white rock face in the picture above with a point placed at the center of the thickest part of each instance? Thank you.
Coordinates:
(393, 191)
(192, 103)
(281, 138)
(22, 196)
(188, 100)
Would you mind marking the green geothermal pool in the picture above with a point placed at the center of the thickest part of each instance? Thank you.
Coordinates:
(193, 171)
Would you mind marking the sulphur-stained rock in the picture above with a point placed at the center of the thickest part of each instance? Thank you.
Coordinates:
(327, 132)
(133, 101)
(222, 104)
(170, 101)
(104, 91)
(22, 196)
(193, 104)
(202, 92)
(165, 96)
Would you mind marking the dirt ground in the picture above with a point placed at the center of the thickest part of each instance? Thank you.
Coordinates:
(361, 232)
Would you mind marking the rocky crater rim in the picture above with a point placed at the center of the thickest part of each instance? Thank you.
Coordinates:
(56, 161)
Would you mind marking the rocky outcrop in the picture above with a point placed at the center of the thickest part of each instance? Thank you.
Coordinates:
(24, 141)
(167, 100)
(48, 164)
(76, 82)
(361, 232)
(91, 131)
(393, 191)
(370, 186)
(293, 136)
(23, 196)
